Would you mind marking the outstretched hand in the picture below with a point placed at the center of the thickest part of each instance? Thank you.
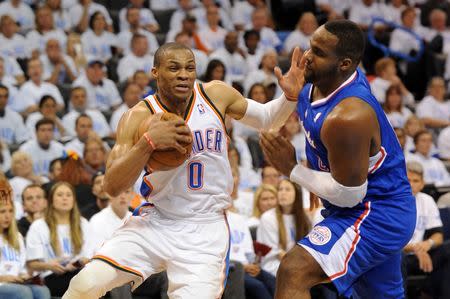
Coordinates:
(278, 151)
(292, 82)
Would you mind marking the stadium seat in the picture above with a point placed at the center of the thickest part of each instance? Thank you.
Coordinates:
(445, 217)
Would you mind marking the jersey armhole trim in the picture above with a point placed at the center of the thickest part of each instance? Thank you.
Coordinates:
(147, 103)
(210, 102)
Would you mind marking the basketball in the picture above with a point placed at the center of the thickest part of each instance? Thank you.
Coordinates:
(163, 159)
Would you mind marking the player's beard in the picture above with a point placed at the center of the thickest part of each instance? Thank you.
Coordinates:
(315, 76)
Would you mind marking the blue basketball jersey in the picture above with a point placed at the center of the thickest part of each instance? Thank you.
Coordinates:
(387, 177)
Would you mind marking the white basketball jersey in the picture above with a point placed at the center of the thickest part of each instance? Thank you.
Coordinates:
(200, 188)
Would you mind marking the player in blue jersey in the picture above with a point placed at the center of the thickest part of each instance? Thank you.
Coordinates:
(357, 168)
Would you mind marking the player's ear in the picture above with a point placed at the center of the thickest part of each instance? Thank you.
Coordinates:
(346, 64)
(154, 72)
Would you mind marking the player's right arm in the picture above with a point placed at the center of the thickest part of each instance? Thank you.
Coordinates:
(127, 160)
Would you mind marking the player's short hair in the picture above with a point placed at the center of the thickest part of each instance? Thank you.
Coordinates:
(44, 121)
(415, 167)
(350, 39)
(166, 48)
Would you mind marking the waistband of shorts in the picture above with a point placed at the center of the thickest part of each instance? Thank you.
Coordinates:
(162, 216)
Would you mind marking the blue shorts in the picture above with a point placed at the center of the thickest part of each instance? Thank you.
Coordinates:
(359, 249)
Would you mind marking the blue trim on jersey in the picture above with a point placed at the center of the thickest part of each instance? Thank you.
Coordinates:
(138, 210)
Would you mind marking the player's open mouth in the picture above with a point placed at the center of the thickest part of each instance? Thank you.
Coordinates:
(182, 87)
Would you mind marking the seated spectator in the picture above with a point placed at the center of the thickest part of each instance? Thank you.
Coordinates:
(444, 144)
(201, 59)
(43, 148)
(269, 39)
(412, 126)
(102, 93)
(362, 12)
(234, 62)
(424, 253)
(61, 17)
(59, 245)
(81, 12)
(32, 91)
(265, 198)
(293, 132)
(22, 170)
(5, 157)
(100, 200)
(83, 130)
(334, 9)
(434, 109)
(12, 72)
(265, 74)
(34, 204)
(386, 75)
(396, 112)
(47, 109)
(13, 44)
(13, 273)
(300, 37)
(97, 41)
(280, 227)
(53, 173)
(10, 82)
(392, 11)
(45, 30)
(401, 136)
(95, 153)
(74, 49)
(242, 13)
(131, 97)
(78, 105)
(163, 5)
(184, 8)
(212, 34)
(434, 171)
(242, 199)
(253, 54)
(20, 12)
(137, 59)
(12, 128)
(58, 68)
(201, 14)
(142, 79)
(270, 176)
(147, 19)
(215, 70)
(125, 36)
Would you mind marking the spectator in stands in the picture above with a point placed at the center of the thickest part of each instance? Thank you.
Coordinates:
(137, 59)
(83, 129)
(164, 5)
(79, 106)
(125, 36)
(95, 153)
(268, 38)
(396, 112)
(60, 242)
(201, 13)
(280, 227)
(386, 75)
(307, 24)
(43, 148)
(401, 136)
(102, 93)
(147, 19)
(215, 70)
(13, 44)
(201, 59)
(22, 170)
(58, 67)
(212, 34)
(5, 157)
(97, 41)
(34, 204)
(253, 53)
(292, 131)
(13, 273)
(424, 253)
(413, 125)
(444, 144)
(434, 109)
(392, 11)
(45, 30)
(270, 176)
(242, 13)
(258, 93)
(12, 128)
(142, 79)
(81, 12)
(184, 8)
(232, 59)
(61, 17)
(75, 51)
(54, 170)
(101, 199)
(47, 109)
(265, 74)
(362, 13)
(131, 97)
(242, 199)
(334, 9)
(20, 12)
(438, 20)
(434, 171)
(8, 81)
(12, 72)
(265, 198)
(32, 91)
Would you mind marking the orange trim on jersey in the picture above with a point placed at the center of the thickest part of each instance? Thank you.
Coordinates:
(224, 274)
(207, 100)
(117, 265)
(192, 104)
(159, 104)
(149, 105)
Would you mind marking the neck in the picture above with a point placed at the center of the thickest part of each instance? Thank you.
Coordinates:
(34, 216)
(98, 31)
(44, 146)
(121, 213)
(175, 105)
(62, 217)
(326, 87)
(287, 210)
(36, 80)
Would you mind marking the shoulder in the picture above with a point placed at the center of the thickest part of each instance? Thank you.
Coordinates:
(219, 90)
(269, 216)
(350, 112)
(98, 218)
(427, 199)
(38, 226)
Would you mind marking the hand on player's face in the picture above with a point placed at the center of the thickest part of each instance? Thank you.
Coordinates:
(169, 134)
(278, 151)
(292, 82)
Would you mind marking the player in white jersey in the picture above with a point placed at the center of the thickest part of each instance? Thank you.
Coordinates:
(184, 230)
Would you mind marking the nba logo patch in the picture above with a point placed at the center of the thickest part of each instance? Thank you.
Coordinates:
(200, 108)
(320, 235)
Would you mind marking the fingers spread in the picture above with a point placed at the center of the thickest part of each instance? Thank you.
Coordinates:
(278, 73)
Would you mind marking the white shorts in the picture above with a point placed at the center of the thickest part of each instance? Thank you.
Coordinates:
(195, 255)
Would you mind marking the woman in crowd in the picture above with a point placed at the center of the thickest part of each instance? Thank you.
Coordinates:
(215, 71)
(58, 245)
(47, 108)
(265, 198)
(281, 226)
(393, 106)
(15, 283)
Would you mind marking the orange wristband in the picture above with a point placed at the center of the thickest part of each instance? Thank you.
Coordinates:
(149, 141)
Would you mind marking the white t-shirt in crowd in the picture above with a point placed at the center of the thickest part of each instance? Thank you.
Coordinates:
(379, 86)
(32, 119)
(202, 21)
(18, 184)
(267, 233)
(146, 17)
(115, 117)
(241, 13)
(103, 225)
(244, 203)
(363, 14)
(236, 68)
(398, 119)
(76, 12)
(99, 122)
(22, 14)
(338, 5)
(12, 67)
(38, 41)
(31, 94)
(131, 63)
(15, 47)
(98, 47)
(163, 4)
(102, 96)
(212, 39)
(49, 67)
(428, 216)
(124, 41)
(13, 261)
(12, 128)
(430, 107)
(269, 39)
(61, 20)
(297, 39)
(444, 143)
(75, 145)
(41, 157)
(434, 171)
(241, 243)
(5, 165)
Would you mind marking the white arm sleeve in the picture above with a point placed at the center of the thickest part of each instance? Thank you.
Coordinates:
(325, 186)
(271, 115)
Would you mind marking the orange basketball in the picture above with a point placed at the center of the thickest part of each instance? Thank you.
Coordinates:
(164, 159)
